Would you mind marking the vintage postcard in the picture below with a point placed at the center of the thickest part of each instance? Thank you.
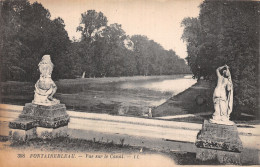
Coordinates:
(129, 83)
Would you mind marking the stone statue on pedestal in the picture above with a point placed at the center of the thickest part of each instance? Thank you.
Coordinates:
(45, 117)
(45, 88)
(223, 97)
(218, 139)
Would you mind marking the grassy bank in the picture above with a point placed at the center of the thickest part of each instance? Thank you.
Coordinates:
(197, 101)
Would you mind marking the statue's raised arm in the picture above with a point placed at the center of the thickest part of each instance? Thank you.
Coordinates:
(218, 70)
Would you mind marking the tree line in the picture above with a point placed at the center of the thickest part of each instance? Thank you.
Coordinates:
(227, 32)
(28, 32)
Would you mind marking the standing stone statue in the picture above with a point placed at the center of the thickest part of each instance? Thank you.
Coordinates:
(218, 139)
(83, 75)
(45, 88)
(223, 97)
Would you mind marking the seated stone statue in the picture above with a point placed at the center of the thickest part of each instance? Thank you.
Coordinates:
(45, 87)
(223, 97)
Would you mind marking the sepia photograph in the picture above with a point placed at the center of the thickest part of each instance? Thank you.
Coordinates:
(129, 83)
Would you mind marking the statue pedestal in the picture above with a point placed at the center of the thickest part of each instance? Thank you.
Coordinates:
(39, 121)
(220, 142)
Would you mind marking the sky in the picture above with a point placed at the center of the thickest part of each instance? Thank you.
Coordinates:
(159, 20)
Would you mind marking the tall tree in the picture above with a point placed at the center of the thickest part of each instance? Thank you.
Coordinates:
(91, 22)
(227, 33)
(29, 33)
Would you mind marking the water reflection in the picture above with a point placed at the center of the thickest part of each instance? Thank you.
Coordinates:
(174, 86)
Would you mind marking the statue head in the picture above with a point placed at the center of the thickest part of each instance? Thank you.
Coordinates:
(225, 72)
(46, 59)
(46, 66)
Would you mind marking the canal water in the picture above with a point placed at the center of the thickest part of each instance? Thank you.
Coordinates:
(167, 87)
(174, 86)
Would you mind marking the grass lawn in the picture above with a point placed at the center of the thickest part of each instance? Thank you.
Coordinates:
(83, 147)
